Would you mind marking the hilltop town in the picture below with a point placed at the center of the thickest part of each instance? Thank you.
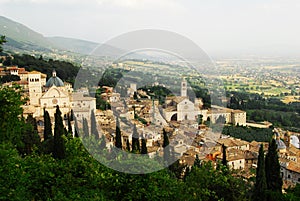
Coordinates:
(187, 122)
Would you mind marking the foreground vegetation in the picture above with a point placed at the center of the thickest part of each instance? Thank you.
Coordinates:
(31, 171)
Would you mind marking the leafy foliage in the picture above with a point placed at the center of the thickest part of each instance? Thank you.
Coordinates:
(9, 78)
(2, 41)
(65, 70)
(248, 134)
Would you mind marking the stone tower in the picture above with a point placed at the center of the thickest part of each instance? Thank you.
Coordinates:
(35, 87)
(183, 88)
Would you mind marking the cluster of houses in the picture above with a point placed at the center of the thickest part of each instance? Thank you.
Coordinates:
(188, 139)
(179, 116)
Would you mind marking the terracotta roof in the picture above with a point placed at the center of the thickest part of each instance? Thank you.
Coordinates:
(23, 72)
(254, 144)
(34, 72)
(238, 111)
(227, 142)
(179, 99)
(12, 68)
(293, 166)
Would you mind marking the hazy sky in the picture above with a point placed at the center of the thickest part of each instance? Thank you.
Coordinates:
(267, 27)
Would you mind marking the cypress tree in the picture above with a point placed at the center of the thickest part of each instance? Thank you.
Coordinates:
(70, 130)
(272, 168)
(127, 145)
(260, 184)
(103, 142)
(224, 158)
(72, 117)
(166, 146)
(47, 126)
(94, 130)
(2, 41)
(118, 142)
(135, 140)
(144, 146)
(30, 137)
(85, 126)
(76, 134)
(59, 144)
(197, 162)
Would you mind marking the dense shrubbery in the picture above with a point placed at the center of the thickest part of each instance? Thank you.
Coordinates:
(248, 134)
(65, 70)
(266, 109)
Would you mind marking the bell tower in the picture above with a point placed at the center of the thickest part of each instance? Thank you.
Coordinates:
(35, 87)
(183, 88)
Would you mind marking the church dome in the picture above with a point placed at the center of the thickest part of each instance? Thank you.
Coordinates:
(280, 144)
(54, 80)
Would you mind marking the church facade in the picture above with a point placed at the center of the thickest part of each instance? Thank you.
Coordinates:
(47, 95)
(180, 108)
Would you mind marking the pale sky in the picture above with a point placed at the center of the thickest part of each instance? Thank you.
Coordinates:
(219, 27)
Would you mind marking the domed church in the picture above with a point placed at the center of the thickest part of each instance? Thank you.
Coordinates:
(54, 80)
(48, 94)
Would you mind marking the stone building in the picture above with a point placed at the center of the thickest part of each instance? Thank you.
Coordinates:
(179, 108)
(55, 92)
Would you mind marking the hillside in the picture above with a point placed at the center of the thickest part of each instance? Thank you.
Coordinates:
(73, 45)
(21, 37)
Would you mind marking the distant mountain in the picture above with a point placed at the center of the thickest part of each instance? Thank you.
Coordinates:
(73, 45)
(22, 37)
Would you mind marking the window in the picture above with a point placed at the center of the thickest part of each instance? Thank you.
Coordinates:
(289, 176)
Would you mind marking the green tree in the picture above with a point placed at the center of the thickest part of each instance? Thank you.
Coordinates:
(118, 142)
(2, 41)
(144, 146)
(47, 126)
(31, 138)
(200, 119)
(76, 134)
(47, 144)
(59, 143)
(94, 130)
(9, 78)
(127, 145)
(272, 168)
(11, 112)
(197, 162)
(260, 184)
(85, 126)
(166, 146)
(103, 142)
(72, 117)
(135, 96)
(135, 141)
(207, 183)
(224, 158)
(70, 130)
